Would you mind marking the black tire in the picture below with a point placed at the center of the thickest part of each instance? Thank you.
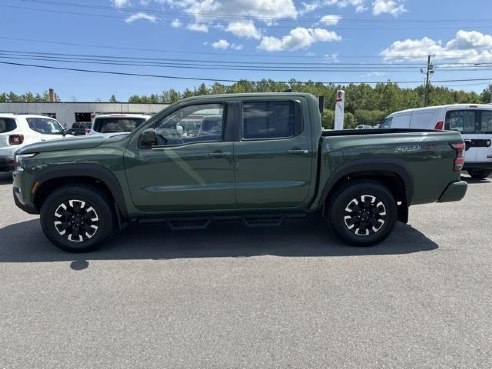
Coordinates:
(366, 225)
(478, 173)
(77, 218)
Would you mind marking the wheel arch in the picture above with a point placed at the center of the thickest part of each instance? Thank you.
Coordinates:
(89, 174)
(392, 174)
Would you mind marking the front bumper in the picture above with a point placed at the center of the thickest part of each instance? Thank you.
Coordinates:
(22, 194)
(28, 209)
(454, 192)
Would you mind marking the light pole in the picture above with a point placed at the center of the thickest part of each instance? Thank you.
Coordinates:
(428, 72)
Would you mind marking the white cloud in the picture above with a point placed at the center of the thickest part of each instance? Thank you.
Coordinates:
(221, 44)
(393, 7)
(176, 23)
(121, 3)
(206, 11)
(141, 16)
(198, 27)
(466, 47)
(298, 38)
(469, 40)
(309, 7)
(330, 20)
(224, 44)
(245, 29)
(359, 5)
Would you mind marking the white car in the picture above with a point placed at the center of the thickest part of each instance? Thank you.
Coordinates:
(18, 130)
(474, 121)
(110, 124)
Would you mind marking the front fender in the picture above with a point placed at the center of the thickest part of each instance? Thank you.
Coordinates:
(93, 171)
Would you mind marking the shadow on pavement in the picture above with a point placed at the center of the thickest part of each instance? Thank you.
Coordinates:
(476, 181)
(5, 178)
(25, 242)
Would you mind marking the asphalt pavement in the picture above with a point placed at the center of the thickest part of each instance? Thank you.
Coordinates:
(232, 297)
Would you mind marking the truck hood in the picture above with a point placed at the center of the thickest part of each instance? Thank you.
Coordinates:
(63, 144)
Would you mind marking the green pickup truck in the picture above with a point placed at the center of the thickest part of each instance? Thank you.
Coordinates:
(258, 158)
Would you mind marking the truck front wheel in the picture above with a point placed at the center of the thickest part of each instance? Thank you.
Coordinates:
(362, 213)
(77, 218)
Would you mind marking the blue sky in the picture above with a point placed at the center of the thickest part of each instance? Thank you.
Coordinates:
(206, 40)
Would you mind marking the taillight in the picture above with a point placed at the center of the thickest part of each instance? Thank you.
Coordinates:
(439, 125)
(460, 160)
(16, 139)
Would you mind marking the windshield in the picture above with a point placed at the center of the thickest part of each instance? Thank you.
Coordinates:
(46, 126)
(117, 124)
(386, 123)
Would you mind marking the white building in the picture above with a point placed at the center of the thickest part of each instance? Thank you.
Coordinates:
(69, 112)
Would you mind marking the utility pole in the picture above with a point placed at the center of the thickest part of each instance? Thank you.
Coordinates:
(428, 72)
(490, 89)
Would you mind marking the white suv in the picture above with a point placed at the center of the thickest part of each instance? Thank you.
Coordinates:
(18, 130)
(110, 124)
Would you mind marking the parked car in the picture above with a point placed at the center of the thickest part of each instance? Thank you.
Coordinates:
(80, 128)
(474, 121)
(109, 124)
(364, 126)
(267, 160)
(19, 130)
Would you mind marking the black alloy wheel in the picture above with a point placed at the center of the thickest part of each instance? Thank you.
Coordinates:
(362, 213)
(77, 218)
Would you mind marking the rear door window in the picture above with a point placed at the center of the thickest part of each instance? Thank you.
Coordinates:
(270, 120)
(464, 121)
(7, 125)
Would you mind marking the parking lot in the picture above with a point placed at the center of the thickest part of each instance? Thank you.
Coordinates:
(232, 297)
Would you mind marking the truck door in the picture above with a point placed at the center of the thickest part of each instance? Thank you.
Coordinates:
(188, 167)
(274, 155)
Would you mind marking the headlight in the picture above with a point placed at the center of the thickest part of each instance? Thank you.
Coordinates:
(19, 160)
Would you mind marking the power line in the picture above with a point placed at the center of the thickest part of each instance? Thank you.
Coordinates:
(203, 64)
(216, 15)
(164, 19)
(179, 52)
(226, 80)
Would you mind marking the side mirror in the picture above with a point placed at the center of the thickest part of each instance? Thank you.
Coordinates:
(147, 139)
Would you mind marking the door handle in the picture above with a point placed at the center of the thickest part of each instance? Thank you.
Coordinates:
(219, 154)
(298, 151)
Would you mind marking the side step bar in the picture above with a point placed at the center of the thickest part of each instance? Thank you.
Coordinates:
(200, 223)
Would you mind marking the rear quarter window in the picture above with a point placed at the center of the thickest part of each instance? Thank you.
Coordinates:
(7, 125)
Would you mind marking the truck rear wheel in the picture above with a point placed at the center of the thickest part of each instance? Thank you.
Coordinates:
(362, 213)
(77, 218)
